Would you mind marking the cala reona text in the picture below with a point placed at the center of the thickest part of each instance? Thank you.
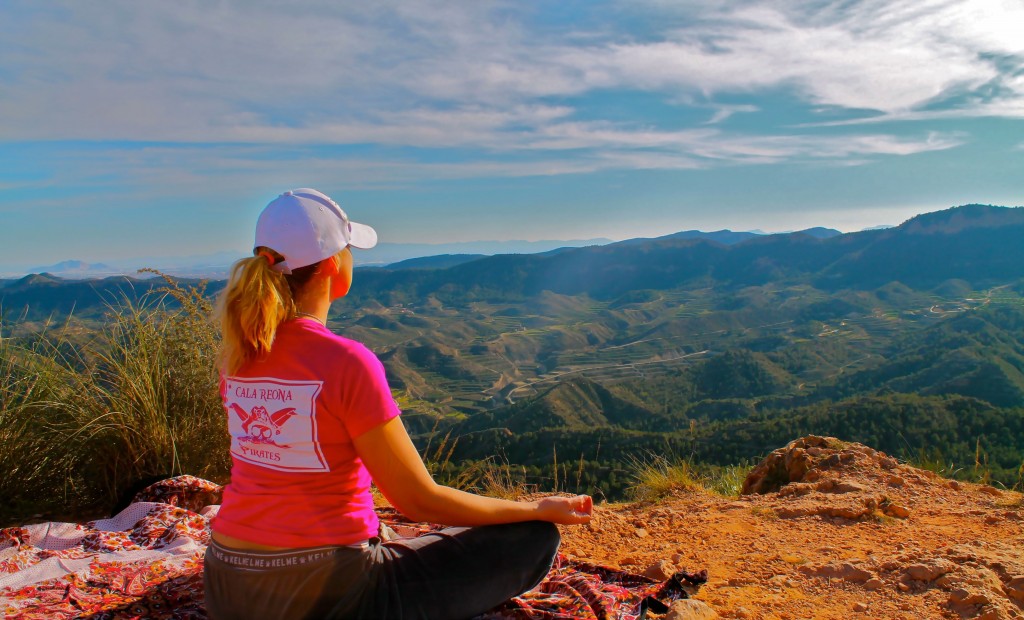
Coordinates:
(280, 394)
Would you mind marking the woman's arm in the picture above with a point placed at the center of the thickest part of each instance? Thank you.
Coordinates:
(397, 469)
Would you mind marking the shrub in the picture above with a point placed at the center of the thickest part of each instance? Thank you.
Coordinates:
(83, 423)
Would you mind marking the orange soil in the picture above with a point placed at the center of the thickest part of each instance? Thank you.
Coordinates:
(853, 534)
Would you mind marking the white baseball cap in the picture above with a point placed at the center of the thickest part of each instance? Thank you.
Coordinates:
(305, 226)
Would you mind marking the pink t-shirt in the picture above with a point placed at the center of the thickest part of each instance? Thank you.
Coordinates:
(296, 480)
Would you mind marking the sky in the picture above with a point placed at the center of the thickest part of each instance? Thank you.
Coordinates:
(146, 128)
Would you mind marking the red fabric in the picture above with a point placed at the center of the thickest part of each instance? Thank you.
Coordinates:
(147, 563)
(295, 478)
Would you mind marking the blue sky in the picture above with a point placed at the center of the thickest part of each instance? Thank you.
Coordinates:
(161, 128)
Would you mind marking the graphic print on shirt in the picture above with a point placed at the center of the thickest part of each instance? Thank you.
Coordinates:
(273, 423)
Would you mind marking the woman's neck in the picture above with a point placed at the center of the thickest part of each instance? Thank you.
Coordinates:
(314, 301)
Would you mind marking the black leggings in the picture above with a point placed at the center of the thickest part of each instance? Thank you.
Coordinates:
(453, 574)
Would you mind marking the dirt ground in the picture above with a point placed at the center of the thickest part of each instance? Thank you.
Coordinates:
(836, 531)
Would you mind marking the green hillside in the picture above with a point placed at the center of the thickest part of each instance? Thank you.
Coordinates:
(908, 339)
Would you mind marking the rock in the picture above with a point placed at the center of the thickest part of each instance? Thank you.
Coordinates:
(860, 607)
(895, 481)
(851, 513)
(782, 466)
(895, 510)
(691, 609)
(629, 560)
(640, 532)
(848, 487)
(929, 571)
(873, 584)
(953, 484)
(837, 570)
(1015, 588)
(887, 462)
(741, 612)
(660, 570)
(961, 596)
(990, 490)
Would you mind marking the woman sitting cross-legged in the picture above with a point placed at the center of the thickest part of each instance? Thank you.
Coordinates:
(312, 423)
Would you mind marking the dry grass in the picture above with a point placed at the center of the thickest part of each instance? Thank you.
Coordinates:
(656, 476)
(81, 423)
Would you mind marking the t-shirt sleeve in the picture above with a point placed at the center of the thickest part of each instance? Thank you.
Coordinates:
(365, 394)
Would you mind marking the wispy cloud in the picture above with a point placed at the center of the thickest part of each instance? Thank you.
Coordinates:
(262, 71)
(723, 112)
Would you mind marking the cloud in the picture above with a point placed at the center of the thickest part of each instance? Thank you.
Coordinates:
(723, 112)
(886, 56)
(493, 76)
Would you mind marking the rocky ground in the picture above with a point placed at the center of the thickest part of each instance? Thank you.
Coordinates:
(827, 529)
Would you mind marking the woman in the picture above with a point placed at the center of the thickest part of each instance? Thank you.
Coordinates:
(312, 421)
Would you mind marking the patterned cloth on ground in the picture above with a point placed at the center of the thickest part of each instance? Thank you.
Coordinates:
(147, 562)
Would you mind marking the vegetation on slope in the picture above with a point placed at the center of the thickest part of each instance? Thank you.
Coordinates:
(558, 369)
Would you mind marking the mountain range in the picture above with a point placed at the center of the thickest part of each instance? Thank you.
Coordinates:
(905, 338)
(217, 265)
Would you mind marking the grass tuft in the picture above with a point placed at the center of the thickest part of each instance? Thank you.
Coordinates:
(656, 476)
(933, 461)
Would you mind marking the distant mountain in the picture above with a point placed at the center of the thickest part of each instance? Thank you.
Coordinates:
(974, 246)
(725, 237)
(960, 219)
(390, 253)
(218, 265)
(990, 252)
(820, 233)
(442, 261)
(76, 269)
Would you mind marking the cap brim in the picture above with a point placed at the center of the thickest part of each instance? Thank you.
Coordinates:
(362, 236)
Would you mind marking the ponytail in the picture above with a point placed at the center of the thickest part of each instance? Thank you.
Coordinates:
(256, 300)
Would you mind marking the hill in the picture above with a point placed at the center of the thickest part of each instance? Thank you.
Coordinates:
(907, 338)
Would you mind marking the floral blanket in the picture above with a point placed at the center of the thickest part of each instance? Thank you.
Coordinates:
(147, 562)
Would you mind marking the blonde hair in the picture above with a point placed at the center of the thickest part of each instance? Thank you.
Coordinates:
(253, 305)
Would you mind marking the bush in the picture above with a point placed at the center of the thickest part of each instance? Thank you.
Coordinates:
(82, 424)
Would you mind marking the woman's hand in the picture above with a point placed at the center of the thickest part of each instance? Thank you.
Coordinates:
(566, 510)
(396, 467)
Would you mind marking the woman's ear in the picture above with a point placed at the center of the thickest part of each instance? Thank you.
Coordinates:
(340, 272)
(329, 266)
